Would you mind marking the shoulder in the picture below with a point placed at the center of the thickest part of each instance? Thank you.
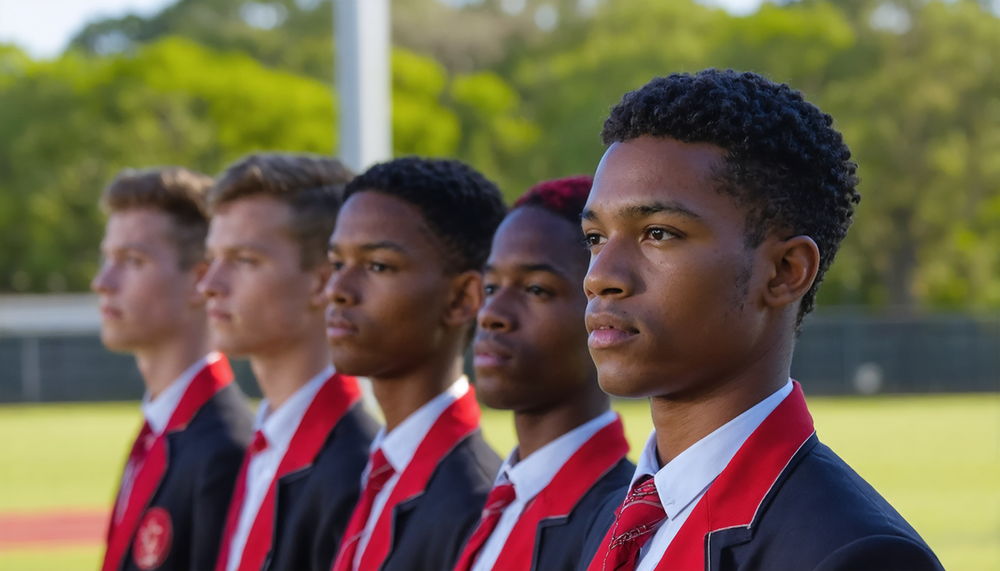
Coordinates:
(882, 553)
(469, 469)
(345, 452)
(824, 513)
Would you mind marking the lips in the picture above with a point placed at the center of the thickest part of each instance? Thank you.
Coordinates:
(110, 312)
(338, 327)
(608, 330)
(488, 353)
(219, 315)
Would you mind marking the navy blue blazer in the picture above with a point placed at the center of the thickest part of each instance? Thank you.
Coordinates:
(808, 511)
(203, 461)
(429, 530)
(314, 505)
(559, 541)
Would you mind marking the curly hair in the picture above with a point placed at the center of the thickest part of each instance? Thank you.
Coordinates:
(784, 161)
(461, 207)
(564, 197)
(310, 185)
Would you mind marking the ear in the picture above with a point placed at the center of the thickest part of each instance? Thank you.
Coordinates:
(795, 263)
(465, 300)
(317, 288)
(197, 272)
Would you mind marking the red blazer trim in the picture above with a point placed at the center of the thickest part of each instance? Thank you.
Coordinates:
(602, 452)
(337, 395)
(455, 424)
(735, 497)
(203, 387)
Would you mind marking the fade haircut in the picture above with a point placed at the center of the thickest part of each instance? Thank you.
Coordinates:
(311, 186)
(564, 197)
(461, 207)
(177, 192)
(785, 163)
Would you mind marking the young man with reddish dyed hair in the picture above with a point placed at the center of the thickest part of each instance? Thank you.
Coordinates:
(271, 217)
(407, 256)
(531, 357)
(715, 213)
(180, 474)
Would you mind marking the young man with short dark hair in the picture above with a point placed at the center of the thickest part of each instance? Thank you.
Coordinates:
(407, 256)
(271, 217)
(715, 213)
(531, 357)
(180, 474)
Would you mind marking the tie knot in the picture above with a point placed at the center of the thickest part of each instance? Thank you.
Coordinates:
(638, 517)
(381, 471)
(259, 443)
(500, 497)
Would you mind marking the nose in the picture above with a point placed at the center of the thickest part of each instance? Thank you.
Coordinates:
(102, 282)
(496, 314)
(211, 284)
(610, 274)
(339, 288)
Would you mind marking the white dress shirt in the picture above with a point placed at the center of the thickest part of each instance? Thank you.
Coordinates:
(529, 477)
(686, 478)
(157, 413)
(278, 426)
(399, 446)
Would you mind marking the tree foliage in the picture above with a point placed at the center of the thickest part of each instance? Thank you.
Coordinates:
(913, 84)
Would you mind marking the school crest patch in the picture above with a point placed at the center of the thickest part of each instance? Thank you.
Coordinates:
(152, 539)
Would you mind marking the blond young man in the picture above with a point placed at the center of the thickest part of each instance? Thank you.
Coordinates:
(180, 474)
(272, 215)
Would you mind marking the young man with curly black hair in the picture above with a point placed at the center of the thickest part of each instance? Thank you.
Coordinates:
(716, 210)
(531, 357)
(407, 256)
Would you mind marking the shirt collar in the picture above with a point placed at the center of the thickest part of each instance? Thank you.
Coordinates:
(532, 474)
(686, 477)
(280, 425)
(159, 410)
(401, 444)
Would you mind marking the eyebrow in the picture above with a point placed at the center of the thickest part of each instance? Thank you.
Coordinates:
(646, 210)
(371, 247)
(530, 268)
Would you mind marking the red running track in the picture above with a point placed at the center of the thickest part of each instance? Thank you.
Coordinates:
(41, 530)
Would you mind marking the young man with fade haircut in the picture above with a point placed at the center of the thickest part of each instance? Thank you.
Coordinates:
(407, 256)
(531, 357)
(272, 215)
(179, 476)
(715, 213)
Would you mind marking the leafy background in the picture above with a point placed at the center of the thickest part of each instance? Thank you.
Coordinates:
(520, 88)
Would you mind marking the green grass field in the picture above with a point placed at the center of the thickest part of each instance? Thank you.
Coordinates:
(935, 458)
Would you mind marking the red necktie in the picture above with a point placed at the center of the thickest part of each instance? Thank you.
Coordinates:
(258, 445)
(379, 474)
(136, 458)
(635, 523)
(500, 497)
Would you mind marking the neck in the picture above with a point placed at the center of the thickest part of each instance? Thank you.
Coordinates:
(681, 421)
(401, 395)
(536, 428)
(283, 371)
(162, 364)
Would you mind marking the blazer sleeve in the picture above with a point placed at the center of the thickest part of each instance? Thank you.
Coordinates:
(211, 505)
(881, 553)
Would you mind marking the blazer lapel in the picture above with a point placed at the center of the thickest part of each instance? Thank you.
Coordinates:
(553, 505)
(203, 387)
(732, 502)
(337, 395)
(456, 423)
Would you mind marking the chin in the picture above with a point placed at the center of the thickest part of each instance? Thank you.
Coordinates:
(621, 382)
